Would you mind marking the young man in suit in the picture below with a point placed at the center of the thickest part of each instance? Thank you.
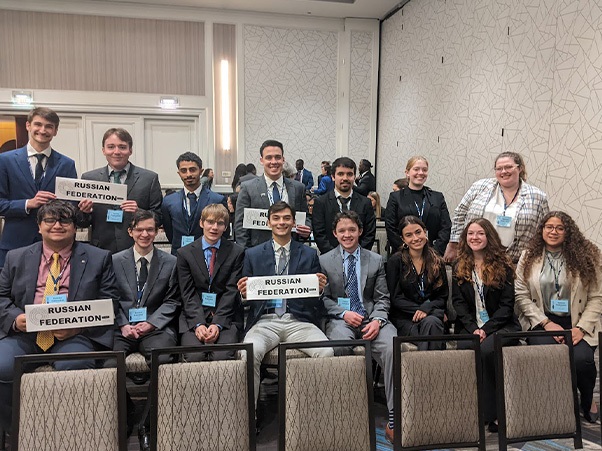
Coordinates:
(343, 198)
(357, 299)
(275, 321)
(109, 223)
(303, 175)
(59, 267)
(366, 181)
(264, 191)
(208, 271)
(182, 209)
(27, 180)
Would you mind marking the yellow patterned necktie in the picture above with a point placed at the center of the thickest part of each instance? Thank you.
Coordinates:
(45, 339)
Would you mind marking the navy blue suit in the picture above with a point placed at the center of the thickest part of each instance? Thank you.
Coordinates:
(16, 186)
(176, 221)
(307, 178)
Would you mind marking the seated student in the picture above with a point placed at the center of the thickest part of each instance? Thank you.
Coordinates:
(272, 322)
(354, 313)
(417, 283)
(483, 296)
(57, 266)
(208, 270)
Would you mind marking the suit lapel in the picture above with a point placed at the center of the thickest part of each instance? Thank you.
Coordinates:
(364, 265)
(31, 273)
(222, 255)
(262, 192)
(427, 204)
(25, 168)
(129, 268)
(153, 274)
(79, 260)
(50, 172)
(199, 258)
(295, 257)
(338, 275)
(290, 190)
(132, 178)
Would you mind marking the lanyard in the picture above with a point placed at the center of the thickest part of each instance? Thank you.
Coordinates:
(271, 195)
(189, 218)
(283, 270)
(347, 277)
(139, 292)
(56, 281)
(480, 288)
(556, 274)
(420, 211)
(419, 280)
(511, 202)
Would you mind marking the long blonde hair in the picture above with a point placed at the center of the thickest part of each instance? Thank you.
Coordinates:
(377, 209)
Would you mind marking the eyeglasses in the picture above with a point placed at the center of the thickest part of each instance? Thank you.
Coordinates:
(149, 230)
(53, 221)
(550, 227)
(506, 168)
(212, 222)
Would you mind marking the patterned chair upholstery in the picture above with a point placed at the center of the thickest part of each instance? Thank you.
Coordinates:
(327, 404)
(135, 363)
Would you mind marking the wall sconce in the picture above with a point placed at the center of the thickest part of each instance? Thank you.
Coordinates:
(22, 98)
(225, 104)
(169, 103)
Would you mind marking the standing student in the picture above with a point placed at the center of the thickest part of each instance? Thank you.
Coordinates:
(109, 223)
(182, 209)
(366, 181)
(27, 180)
(303, 175)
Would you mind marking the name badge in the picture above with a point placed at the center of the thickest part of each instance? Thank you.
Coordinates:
(344, 303)
(503, 221)
(137, 314)
(560, 305)
(115, 216)
(209, 299)
(56, 299)
(186, 240)
(484, 315)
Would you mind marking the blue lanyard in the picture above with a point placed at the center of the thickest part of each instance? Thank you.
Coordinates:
(419, 280)
(556, 274)
(420, 212)
(511, 202)
(271, 195)
(56, 281)
(480, 288)
(189, 218)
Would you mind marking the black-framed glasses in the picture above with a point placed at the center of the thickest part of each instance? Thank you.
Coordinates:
(62, 221)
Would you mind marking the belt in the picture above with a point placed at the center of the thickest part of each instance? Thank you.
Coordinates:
(269, 311)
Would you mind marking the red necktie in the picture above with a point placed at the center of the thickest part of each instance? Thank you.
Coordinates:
(212, 261)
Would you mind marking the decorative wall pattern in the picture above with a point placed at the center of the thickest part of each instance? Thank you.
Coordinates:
(290, 92)
(455, 74)
(360, 95)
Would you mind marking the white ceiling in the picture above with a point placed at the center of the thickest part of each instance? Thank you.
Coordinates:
(374, 9)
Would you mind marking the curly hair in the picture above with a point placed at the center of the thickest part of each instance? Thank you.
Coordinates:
(582, 257)
(432, 261)
(496, 262)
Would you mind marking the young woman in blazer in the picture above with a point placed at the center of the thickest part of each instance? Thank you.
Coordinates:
(483, 296)
(558, 287)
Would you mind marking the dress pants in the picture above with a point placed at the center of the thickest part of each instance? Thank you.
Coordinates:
(271, 330)
(430, 325)
(382, 348)
(158, 338)
(25, 343)
(226, 336)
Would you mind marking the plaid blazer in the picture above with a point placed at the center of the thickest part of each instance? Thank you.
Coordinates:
(532, 206)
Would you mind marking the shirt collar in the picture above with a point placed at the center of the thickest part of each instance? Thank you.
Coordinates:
(287, 247)
(279, 181)
(206, 245)
(196, 191)
(345, 255)
(31, 151)
(148, 256)
(337, 194)
(126, 169)
(65, 252)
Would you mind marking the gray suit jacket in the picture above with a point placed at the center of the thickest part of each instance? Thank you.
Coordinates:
(373, 283)
(161, 296)
(143, 187)
(254, 194)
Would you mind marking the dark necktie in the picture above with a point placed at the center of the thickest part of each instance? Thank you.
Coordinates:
(275, 193)
(39, 168)
(212, 261)
(282, 268)
(192, 199)
(143, 276)
(117, 176)
(344, 201)
(352, 287)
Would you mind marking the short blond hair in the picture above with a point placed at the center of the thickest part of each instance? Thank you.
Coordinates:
(412, 161)
(215, 211)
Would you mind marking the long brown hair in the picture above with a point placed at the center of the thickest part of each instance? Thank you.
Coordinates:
(496, 261)
(433, 263)
(582, 257)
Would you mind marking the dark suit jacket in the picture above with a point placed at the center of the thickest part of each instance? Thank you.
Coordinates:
(193, 277)
(435, 217)
(175, 218)
(365, 184)
(16, 186)
(307, 178)
(261, 261)
(92, 277)
(253, 194)
(161, 296)
(499, 303)
(325, 209)
(143, 187)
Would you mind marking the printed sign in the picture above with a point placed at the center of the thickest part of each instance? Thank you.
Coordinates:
(97, 192)
(257, 218)
(283, 287)
(69, 315)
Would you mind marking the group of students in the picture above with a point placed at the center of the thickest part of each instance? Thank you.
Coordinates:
(196, 296)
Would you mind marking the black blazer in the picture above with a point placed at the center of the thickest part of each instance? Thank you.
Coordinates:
(365, 184)
(499, 303)
(435, 217)
(193, 277)
(405, 296)
(325, 209)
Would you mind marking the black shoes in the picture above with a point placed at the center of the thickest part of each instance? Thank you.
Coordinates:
(144, 438)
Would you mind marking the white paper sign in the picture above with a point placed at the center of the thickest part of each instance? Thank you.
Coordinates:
(69, 315)
(98, 192)
(283, 287)
(257, 218)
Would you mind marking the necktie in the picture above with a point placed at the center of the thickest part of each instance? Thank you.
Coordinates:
(275, 193)
(298, 176)
(143, 276)
(39, 168)
(117, 176)
(344, 201)
(212, 261)
(281, 269)
(352, 287)
(192, 200)
(45, 339)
